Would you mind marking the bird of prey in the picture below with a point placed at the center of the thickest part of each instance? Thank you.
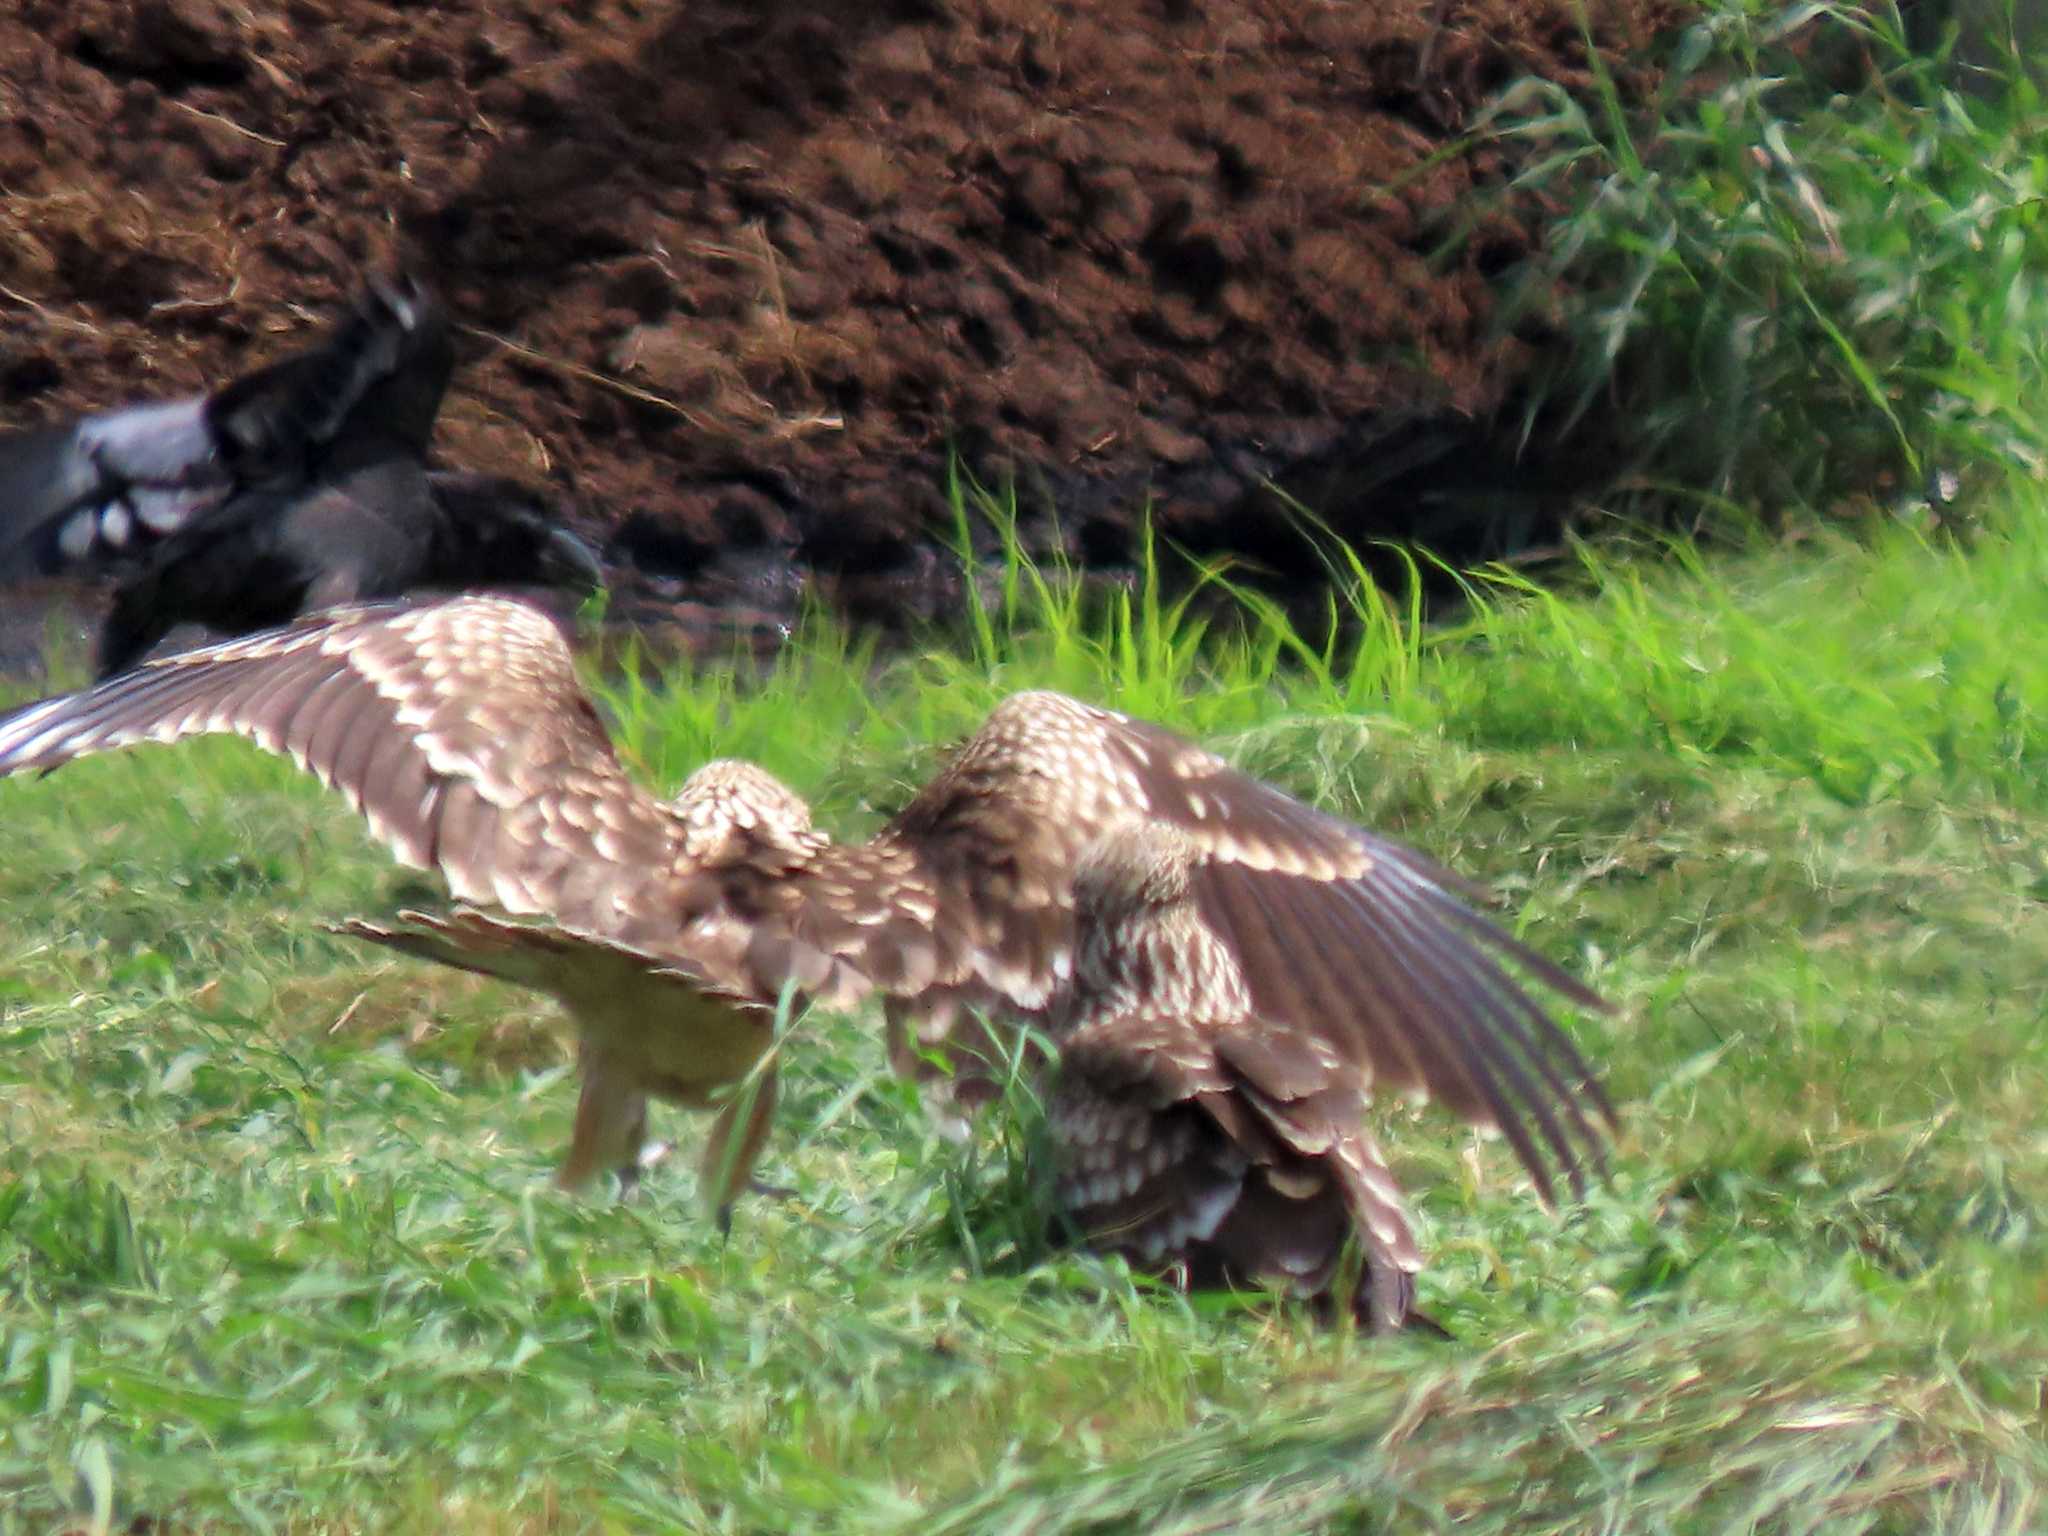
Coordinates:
(301, 486)
(1229, 973)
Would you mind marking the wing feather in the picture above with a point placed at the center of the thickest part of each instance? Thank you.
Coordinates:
(1338, 933)
(1452, 1007)
(1468, 994)
(459, 730)
(1304, 937)
(1375, 969)
(284, 702)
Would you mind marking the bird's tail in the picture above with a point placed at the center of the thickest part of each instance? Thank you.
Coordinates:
(467, 940)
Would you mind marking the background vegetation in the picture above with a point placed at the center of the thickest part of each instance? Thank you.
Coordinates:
(276, 1246)
(1814, 270)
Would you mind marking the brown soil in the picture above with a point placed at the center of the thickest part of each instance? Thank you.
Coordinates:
(741, 274)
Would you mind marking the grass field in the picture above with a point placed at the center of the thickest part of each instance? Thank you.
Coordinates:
(277, 1247)
(277, 1250)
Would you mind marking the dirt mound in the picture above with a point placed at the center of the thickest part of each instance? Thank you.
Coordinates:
(740, 275)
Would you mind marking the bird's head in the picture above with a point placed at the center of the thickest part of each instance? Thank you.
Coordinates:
(732, 807)
(500, 531)
(409, 352)
(376, 377)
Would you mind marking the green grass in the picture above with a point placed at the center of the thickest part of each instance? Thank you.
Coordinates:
(277, 1251)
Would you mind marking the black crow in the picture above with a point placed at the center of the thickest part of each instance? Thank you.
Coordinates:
(297, 487)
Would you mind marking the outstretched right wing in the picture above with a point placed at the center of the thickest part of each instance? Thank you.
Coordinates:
(458, 729)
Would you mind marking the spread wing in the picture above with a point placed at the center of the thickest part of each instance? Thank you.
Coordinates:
(967, 899)
(1193, 1132)
(459, 731)
(103, 490)
(86, 495)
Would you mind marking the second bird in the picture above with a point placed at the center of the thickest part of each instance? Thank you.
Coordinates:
(297, 487)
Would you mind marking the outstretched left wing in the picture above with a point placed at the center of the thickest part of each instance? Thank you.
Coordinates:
(966, 899)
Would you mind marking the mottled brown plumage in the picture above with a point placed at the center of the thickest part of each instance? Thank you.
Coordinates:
(1190, 1132)
(1231, 972)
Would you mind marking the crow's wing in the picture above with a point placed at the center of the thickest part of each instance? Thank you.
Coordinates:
(103, 491)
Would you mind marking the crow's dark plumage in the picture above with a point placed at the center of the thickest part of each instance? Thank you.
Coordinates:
(297, 487)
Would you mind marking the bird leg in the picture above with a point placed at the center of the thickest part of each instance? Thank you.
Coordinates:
(642, 1155)
(1388, 1292)
(611, 1123)
(728, 1164)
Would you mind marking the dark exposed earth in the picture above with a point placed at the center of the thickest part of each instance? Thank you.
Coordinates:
(739, 281)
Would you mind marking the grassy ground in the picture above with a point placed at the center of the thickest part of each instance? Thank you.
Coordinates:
(277, 1251)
